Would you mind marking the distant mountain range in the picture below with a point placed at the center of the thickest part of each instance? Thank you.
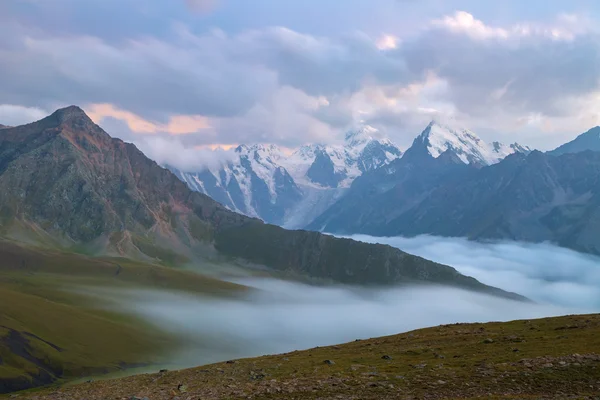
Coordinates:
(66, 184)
(589, 140)
(290, 189)
(528, 196)
(449, 183)
(293, 189)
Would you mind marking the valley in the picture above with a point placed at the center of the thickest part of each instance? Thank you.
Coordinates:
(53, 330)
(275, 200)
(151, 267)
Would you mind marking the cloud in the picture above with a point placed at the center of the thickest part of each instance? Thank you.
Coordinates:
(202, 6)
(279, 316)
(177, 125)
(172, 152)
(254, 84)
(13, 115)
(548, 68)
(543, 272)
(387, 42)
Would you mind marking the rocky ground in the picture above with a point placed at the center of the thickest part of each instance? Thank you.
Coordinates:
(554, 358)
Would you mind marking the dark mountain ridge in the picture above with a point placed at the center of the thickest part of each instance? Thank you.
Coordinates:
(536, 197)
(65, 182)
(589, 140)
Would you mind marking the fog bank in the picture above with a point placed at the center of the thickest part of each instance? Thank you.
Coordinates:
(279, 316)
(543, 272)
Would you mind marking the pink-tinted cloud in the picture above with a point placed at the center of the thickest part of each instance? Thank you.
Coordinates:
(177, 125)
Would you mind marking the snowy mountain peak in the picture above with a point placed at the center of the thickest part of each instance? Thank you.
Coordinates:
(260, 152)
(439, 137)
(359, 136)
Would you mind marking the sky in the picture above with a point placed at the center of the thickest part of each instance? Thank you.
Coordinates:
(206, 73)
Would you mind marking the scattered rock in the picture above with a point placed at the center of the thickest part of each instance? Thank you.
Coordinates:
(329, 362)
(386, 357)
(441, 382)
(162, 371)
(488, 341)
(231, 362)
(182, 388)
(256, 377)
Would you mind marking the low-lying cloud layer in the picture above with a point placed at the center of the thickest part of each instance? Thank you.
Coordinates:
(543, 272)
(278, 316)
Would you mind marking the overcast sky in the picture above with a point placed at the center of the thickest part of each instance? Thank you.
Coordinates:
(206, 72)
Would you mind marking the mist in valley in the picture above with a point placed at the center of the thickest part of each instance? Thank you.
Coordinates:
(278, 316)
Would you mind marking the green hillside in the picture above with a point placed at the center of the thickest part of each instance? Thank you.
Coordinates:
(556, 358)
(49, 332)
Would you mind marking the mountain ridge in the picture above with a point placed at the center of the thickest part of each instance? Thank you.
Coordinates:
(315, 177)
(263, 181)
(589, 140)
(535, 197)
(73, 186)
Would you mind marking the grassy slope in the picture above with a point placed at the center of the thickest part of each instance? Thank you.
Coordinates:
(47, 332)
(546, 358)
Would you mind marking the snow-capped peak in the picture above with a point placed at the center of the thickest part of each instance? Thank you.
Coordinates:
(360, 136)
(439, 137)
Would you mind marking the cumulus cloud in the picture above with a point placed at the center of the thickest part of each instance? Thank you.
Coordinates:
(172, 152)
(278, 316)
(522, 77)
(536, 70)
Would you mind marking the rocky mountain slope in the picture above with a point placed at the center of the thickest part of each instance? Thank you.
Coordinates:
(66, 183)
(535, 197)
(440, 155)
(289, 189)
(439, 137)
(551, 358)
(293, 190)
(589, 140)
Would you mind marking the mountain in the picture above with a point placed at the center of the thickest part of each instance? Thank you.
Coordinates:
(438, 138)
(589, 140)
(290, 189)
(4, 126)
(440, 155)
(255, 184)
(65, 183)
(536, 197)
